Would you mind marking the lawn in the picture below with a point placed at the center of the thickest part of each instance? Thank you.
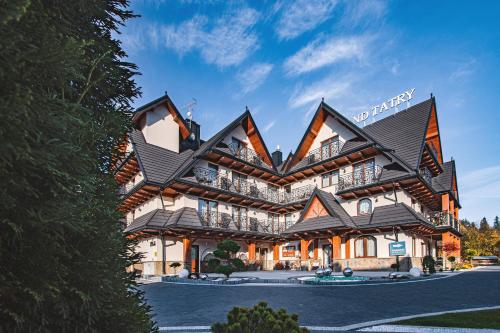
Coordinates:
(476, 319)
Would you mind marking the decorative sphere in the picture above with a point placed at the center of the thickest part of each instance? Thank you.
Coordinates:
(347, 272)
(415, 272)
(328, 271)
(184, 274)
(320, 272)
(203, 276)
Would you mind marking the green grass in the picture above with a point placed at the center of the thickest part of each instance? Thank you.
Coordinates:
(476, 319)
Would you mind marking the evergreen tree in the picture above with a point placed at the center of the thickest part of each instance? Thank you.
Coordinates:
(496, 224)
(483, 225)
(65, 104)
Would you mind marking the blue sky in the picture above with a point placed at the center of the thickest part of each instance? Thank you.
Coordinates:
(280, 58)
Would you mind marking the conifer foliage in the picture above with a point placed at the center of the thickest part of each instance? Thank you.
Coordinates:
(65, 104)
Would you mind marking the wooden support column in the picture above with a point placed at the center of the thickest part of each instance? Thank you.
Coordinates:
(336, 241)
(251, 251)
(445, 202)
(316, 248)
(276, 252)
(303, 249)
(186, 246)
(456, 213)
(347, 248)
(452, 207)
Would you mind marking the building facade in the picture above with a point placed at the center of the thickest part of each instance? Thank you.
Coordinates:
(339, 200)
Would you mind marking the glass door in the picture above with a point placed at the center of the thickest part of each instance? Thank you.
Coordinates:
(327, 255)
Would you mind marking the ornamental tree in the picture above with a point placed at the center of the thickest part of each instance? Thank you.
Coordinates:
(259, 319)
(225, 261)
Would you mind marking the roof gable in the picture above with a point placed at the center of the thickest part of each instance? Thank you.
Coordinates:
(318, 120)
(171, 108)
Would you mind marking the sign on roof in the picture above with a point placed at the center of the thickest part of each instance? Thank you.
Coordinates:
(391, 103)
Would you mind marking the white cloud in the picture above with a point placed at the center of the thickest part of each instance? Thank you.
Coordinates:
(251, 78)
(320, 53)
(332, 87)
(226, 42)
(269, 126)
(464, 69)
(363, 11)
(481, 183)
(297, 17)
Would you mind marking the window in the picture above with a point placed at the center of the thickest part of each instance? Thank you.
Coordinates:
(238, 148)
(330, 178)
(366, 246)
(273, 221)
(364, 172)
(364, 207)
(289, 251)
(208, 211)
(288, 221)
(239, 181)
(240, 215)
(329, 147)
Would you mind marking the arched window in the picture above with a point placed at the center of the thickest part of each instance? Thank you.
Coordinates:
(364, 207)
(366, 246)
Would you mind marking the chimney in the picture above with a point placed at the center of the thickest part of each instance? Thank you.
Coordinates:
(277, 156)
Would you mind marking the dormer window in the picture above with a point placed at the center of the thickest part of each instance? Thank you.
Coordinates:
(364, 207)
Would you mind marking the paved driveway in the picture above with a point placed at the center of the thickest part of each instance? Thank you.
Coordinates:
(195, 305)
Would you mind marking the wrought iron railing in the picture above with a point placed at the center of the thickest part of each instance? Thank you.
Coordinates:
(426, 175)
(247, 154)
(445, 219)
(360, 178)
(220, 220)
(222, 181)
(325, 152)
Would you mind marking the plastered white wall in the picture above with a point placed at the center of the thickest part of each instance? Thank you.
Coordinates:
(161, 130)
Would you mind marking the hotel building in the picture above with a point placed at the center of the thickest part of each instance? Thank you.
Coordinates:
(339, 200)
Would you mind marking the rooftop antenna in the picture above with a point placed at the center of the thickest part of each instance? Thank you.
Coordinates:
(190, 107)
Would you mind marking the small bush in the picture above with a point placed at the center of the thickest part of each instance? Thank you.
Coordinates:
(452, 259)
(259, 319)
(395, 266)
(429, 264)
(279, 266)
(225, 261)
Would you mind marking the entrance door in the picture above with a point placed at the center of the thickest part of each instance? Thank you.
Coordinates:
(195, 259)
(327, 255)
(262, 256)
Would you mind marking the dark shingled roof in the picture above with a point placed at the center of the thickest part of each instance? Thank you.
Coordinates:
(316, 223)
(154, 219)
(158, 164)
(444, 181)
(338, 216)
(404, 132)
(397, 214)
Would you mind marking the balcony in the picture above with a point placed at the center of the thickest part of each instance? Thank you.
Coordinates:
(446, 219)
(241, 223)
(247, 154)
(426, 174)
(325, 152)
(215, 179)
(356, 179)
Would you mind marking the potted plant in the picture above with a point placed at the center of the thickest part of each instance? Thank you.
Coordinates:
(175, 265)
(428, 264)
(452, 259)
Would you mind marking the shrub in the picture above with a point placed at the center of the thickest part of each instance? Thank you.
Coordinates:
(259, 319)
(395, 266)
(429, 264)
(175, 265)
(225, 261)
(452, 259)
(279, 266)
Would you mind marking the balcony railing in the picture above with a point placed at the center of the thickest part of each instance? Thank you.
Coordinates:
(426, 175)
(219, 220)
(247, 154)
(360, 178)
(445, 219)
(325, 152)
(221, 181)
